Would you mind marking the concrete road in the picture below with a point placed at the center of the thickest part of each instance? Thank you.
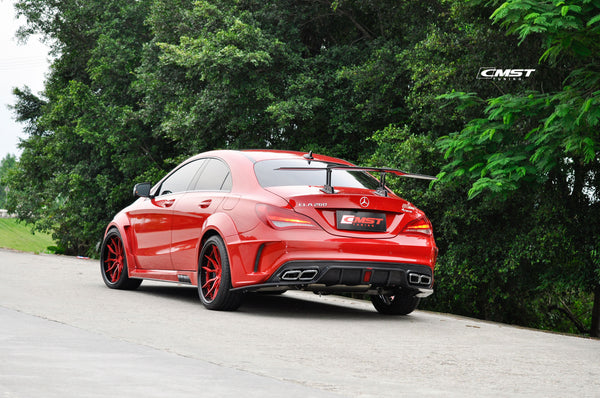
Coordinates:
(64, 334)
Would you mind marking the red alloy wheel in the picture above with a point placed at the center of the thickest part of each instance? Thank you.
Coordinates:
(113, 264)
(211, 274)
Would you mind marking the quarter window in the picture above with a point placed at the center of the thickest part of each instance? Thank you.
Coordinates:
(181, 179)
(216, 176)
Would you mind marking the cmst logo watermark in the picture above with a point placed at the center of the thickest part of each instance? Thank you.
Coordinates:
(504, 74)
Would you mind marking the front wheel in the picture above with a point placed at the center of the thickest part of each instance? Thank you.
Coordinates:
(113, 263)
(400, 302)
(214, 277)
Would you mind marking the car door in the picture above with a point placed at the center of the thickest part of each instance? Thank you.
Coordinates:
(192, 209)
(152, 222)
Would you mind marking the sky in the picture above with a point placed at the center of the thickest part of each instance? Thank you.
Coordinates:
(20, 65)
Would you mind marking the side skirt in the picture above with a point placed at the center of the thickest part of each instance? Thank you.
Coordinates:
(187, 277)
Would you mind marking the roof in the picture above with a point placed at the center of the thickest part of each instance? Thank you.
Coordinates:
(261, 154)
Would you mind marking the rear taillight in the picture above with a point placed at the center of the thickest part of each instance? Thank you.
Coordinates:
(419, 226)
(279, 218)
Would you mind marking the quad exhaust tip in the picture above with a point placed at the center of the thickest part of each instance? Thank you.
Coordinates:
(299, 275)
(419, 279)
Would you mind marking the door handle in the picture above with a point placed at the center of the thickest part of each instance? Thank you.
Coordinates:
(168, 203)
(205, 203)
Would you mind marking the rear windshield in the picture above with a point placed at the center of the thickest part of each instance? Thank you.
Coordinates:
(268, 175)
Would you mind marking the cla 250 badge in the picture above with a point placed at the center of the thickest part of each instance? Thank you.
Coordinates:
(324, 204)
(361, 221)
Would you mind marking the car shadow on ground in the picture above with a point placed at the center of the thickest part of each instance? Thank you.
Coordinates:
(293, 306)
(275, 305)
(188, 294)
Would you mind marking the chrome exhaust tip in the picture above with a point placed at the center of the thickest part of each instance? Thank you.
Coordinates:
(308, 275)
(292, 275)
(299, 275)
(419, 279)
(414, 279)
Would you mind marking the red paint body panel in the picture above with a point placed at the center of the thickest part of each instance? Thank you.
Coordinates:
(163, 235)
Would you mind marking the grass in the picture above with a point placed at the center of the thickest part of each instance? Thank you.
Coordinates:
(18, 236)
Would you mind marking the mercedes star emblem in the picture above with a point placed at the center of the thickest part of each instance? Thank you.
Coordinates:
(364, 201)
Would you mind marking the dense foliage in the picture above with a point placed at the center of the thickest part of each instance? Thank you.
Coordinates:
(136, 87)
(538, 149)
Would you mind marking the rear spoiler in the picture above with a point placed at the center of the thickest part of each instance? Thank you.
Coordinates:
(381, 190)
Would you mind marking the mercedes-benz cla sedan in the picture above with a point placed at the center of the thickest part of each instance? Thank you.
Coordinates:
(231, 222)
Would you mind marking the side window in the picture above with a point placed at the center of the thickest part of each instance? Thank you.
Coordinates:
(181, 179)
(215, 177)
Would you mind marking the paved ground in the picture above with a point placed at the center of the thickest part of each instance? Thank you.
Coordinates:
(64, 334)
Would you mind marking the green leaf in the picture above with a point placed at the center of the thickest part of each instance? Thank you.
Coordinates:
(587, 104)
(593, 20)
(475, 167)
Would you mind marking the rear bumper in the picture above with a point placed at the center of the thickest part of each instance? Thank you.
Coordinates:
(349, 276)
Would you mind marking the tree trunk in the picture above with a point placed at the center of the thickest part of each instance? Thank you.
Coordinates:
(595, 330)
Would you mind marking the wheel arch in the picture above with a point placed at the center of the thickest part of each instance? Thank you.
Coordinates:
(217, 224)
(207, 235)
(122, 225)
(222, 225)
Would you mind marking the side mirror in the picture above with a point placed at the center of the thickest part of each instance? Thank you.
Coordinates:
(142, 189)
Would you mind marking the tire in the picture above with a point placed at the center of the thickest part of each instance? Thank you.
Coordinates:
(113, 263)
(214, 277)
(399, 303)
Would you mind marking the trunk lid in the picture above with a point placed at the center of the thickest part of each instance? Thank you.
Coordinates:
(350, 212)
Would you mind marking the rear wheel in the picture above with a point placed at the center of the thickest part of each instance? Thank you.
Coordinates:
(214, 277)
(113, 263)
(400, 302)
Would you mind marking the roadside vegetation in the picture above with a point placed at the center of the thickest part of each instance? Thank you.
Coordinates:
(136, 87)
(18, 236)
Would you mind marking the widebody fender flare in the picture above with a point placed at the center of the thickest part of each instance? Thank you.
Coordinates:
(222, 224)
(122, 224)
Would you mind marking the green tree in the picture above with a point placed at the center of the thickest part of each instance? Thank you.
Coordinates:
(7, 164)
(86, 145)
(279, 74)
(542, 146)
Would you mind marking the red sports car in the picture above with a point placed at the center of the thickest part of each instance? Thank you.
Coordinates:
(231, 222)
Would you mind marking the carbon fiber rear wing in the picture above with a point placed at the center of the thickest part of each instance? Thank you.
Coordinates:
(383, 171)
